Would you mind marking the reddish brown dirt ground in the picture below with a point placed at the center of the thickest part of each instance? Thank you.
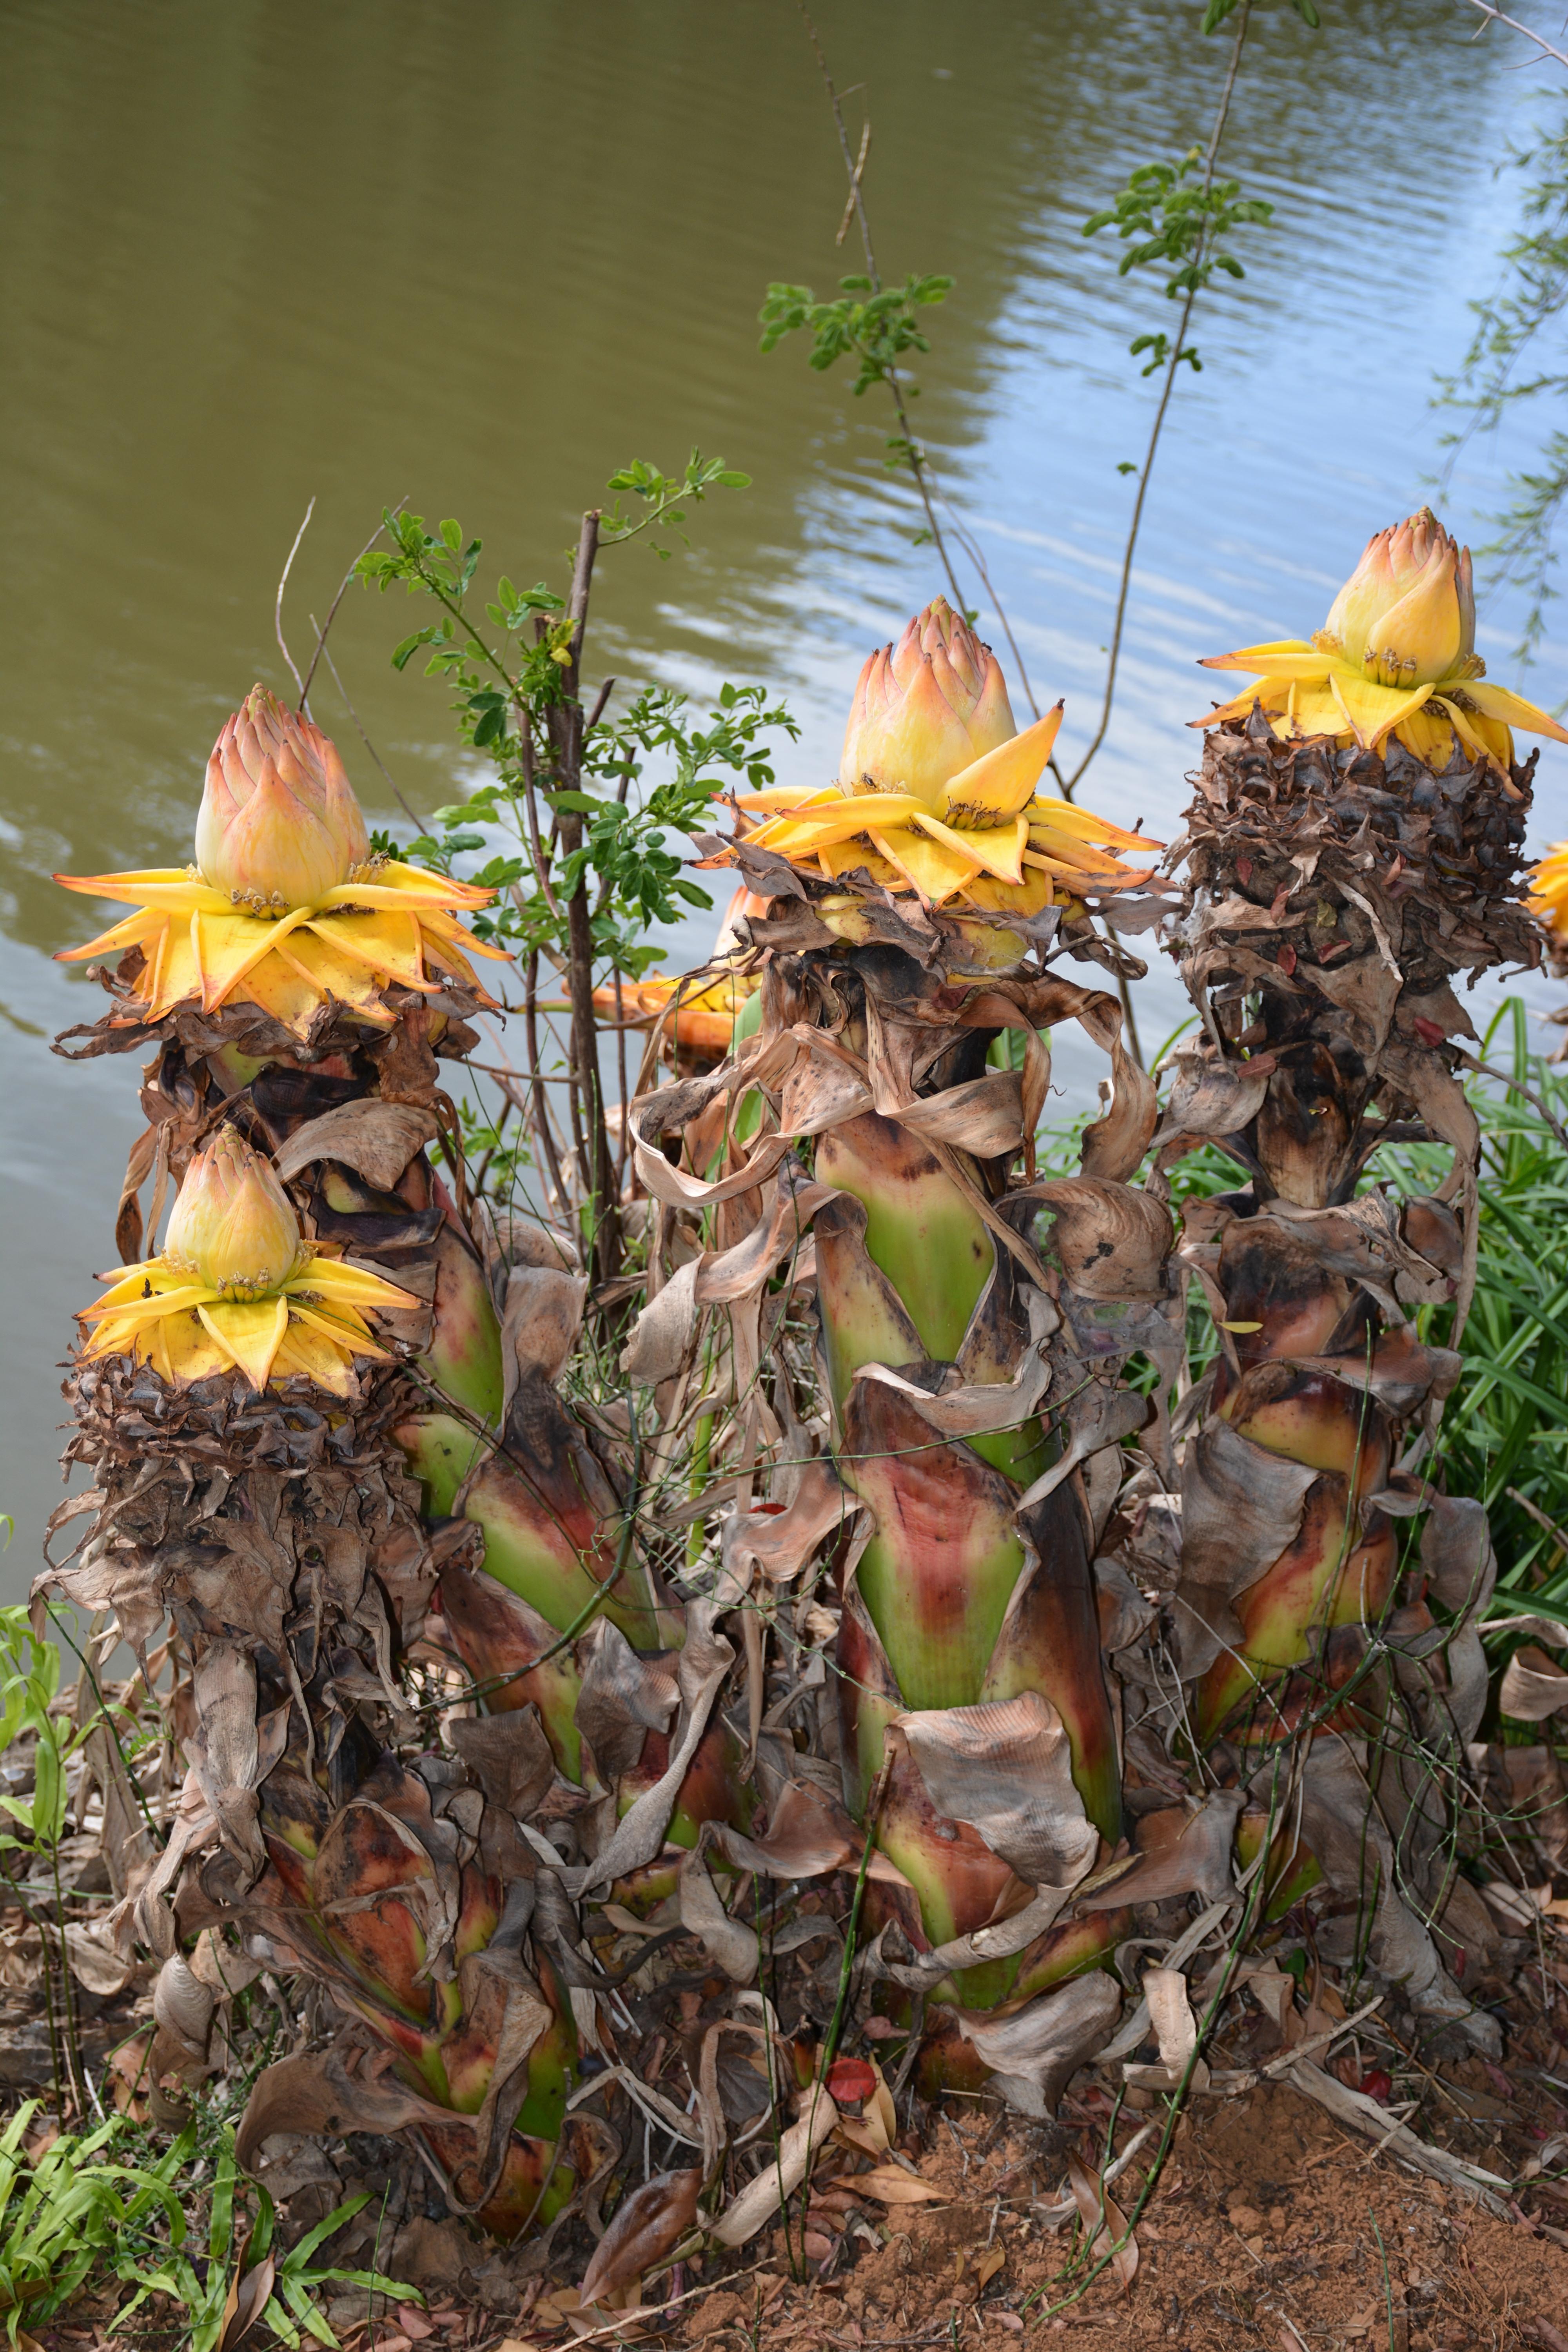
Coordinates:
(1264, 2231)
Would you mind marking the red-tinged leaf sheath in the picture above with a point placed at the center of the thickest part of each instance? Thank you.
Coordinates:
(868, 1699)
(1049, 1642)
(441, 1452)
(863, 1320)
(500, 1638)
(936, 1575)
(1325, 982)
(552, 1523)
(468, 2051)
(464, 1358)
(1341, 1567)
(714, 1788)
(535, 2182)
(957, 1883)
(1273, 1280)
(1293, 1869)
(926, 1237)
(1069, 1949)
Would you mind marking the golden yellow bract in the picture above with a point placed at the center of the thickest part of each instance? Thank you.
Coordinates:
(394, 928)
(937, 793)
(1396, 658)
(285, 907)
(988, 823)
(1549, 889)
(187, 1330)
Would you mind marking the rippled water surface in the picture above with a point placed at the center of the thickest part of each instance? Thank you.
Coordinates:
(478, 255)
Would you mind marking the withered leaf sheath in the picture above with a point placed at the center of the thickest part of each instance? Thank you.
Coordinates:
(1334, 896)
(281, 1535)
(974, 1325)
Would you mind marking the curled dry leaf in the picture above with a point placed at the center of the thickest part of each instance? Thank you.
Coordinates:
(1241, 1506)
(1005, 1766)
(376, 1140)
(1210, 1097)
(728, 1942)
(1534, 1686)
(806, 1836)
(652, 2218)
(890, 2185)
(540, 1318)
(663, 1331)
(250, 2291)
(1182, 1850)
(780, 1543)
(1175, 2030)
(509, 1755)
(705, 1659)
(96, 1960)
(326, 2092)
(1112, 1241)
(1105, 2221)
(1035, 2050)
(182, 2008)
(623, 1697)
(760, 2199)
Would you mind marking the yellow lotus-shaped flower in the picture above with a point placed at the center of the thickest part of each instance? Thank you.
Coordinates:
(1395, 656)
(1549, 889)
(236, 1288)
(285, 908)
(936, 789)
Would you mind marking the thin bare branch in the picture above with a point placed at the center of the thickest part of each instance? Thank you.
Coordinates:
(857, 201)
(337, 600)
(1497, 16)
(277, 606)
(1168, 388)
(411, 814)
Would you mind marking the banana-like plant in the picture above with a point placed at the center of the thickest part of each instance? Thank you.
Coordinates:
(974, 1321)
(1354, 848)
(237, 1401)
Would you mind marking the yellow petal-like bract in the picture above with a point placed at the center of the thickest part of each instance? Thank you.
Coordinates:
(1394, 660)
(236, 1289)
(938, 794)
(1549, 889)
(285, 908)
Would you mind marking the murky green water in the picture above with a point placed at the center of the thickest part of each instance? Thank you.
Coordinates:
(478, 252)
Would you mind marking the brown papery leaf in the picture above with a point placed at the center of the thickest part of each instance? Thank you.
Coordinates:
(1534, 1686)
(250, 2291)
(652, 2218)
(1005, 1766)
(376, 1140)
(540, 1322)
(1113, 1240)
(806, 1836)
(1037, 2049)
(1182, 1852)
(1106, 2222)
(508, 1755)
(890, 2185)
(1240, 1506)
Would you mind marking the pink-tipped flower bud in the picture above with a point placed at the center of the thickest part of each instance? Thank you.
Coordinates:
(1407, 612)
(233, 1225)
(279, 826)
(925, 709)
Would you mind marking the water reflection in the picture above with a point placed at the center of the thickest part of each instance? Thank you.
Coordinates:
(477, 254)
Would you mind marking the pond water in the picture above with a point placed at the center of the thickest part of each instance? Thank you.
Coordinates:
(477, 253)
